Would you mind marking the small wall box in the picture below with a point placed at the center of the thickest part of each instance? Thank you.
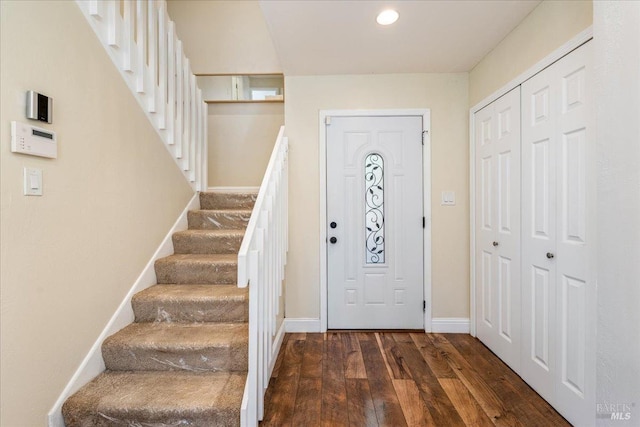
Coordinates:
(27, 139)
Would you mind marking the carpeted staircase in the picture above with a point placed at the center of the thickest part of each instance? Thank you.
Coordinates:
(184, 360)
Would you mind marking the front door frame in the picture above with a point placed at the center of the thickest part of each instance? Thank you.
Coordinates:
(425, 114)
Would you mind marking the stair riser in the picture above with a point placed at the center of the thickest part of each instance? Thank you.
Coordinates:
(124, 358)
(203, 419)
(212, 220)
(227, 201)
(205, 273)
(204, 244)
(191, 311)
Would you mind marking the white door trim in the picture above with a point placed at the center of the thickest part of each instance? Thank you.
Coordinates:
(426, 176)
(574, 43)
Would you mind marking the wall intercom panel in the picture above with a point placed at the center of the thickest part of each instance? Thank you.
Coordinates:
(27, 139)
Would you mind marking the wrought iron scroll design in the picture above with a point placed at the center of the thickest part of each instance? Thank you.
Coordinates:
(374, 208)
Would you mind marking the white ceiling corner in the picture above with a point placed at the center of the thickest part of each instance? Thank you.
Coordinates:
(314, 37)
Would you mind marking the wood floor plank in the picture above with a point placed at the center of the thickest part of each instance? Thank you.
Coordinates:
(452, 380)
(402, 336)
(299, 336)
(388, 409)
(334, 392)
(276, 366)
(526, 413)
(436, 361)
(312, 357)
(360, 407)
(414, 409)
(308, 408)
(469, 410)
(510, 379)
(433, 395)
(392, 357)
(353, 362)
(282, 402)
(484, 395)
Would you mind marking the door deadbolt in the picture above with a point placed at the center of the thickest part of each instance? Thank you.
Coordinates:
(333, 240)
(333, 224)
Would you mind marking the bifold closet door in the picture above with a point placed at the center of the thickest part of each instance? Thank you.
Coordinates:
(558, 232)
(497, 251)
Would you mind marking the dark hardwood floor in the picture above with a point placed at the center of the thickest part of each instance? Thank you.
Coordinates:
(398, 379)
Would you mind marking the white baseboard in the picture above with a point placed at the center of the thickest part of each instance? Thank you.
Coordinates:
(450, 325)
(301, 325)
(93, 364)
(234, 189)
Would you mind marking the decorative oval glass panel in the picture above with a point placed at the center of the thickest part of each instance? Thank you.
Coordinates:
(374, 208)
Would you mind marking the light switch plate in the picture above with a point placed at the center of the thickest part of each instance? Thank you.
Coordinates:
(32, 182)
(448, 198)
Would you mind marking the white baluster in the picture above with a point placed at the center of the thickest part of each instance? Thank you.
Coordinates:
(113, 22)
(193, 122)
(96, 9)
(152, 46)
(163, 21)
(179, 103)
(171, 86)
(186, 128)
(141, 44)
(128, 42)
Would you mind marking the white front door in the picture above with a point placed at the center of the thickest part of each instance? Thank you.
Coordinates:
(558, 236)
(375, 222)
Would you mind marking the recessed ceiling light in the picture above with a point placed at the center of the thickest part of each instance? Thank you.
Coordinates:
(387, 17)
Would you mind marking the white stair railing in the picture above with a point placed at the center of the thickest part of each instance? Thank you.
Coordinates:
(142, 43)
(261, 262)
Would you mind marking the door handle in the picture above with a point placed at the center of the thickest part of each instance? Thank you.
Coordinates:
(495, 244)
(550, 255)
(333, 224)
(333, 240)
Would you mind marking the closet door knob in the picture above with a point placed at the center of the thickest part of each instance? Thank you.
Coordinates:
(333, 240)
(550, 255)
(495, 244)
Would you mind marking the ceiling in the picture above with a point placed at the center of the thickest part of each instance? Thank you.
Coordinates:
(315, 37)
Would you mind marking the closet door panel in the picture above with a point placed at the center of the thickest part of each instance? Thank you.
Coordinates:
(558, 214)
(539, 143)
(575, 380)
(497, 164)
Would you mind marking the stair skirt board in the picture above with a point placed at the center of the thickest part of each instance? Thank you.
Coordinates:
(93, 364)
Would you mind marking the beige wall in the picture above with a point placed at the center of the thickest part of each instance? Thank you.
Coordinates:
(241, 138)
(69, 257)
(231, 37)
(446, 96)
(549, 26)
(224, 37)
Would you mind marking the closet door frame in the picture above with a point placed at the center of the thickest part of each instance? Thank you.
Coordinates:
(575, 42)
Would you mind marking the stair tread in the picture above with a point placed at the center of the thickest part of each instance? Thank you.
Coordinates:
(215, 232)
(187, 336)
(162, 397)
(192, 292)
